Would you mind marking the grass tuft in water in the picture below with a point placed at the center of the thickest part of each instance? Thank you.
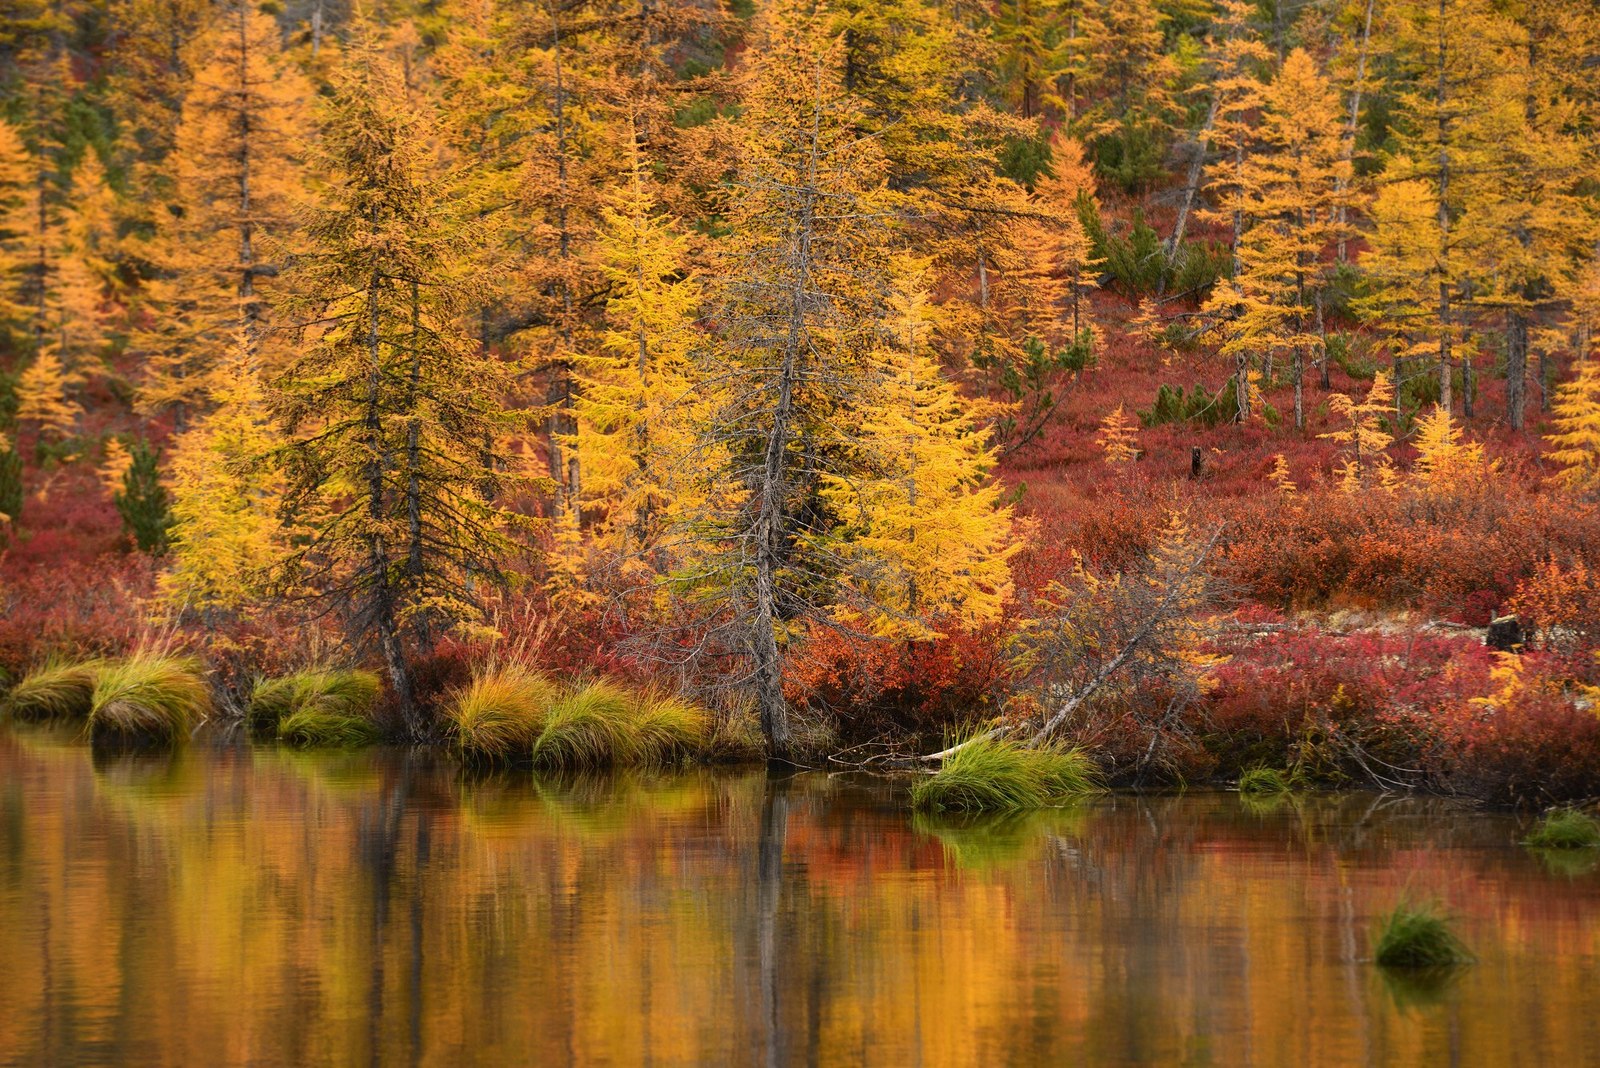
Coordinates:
(1265, 782)
(307, 727)
(149, 695)
(498, 716)
(1418, 936)
(331, 691)
(55, 690)
(995, 775)
(1565, 828)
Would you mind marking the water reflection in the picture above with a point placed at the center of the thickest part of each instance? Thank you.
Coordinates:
(239, 906)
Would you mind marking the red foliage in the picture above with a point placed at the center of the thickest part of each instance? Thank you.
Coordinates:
(922, 688)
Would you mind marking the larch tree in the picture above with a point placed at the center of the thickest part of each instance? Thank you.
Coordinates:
(799, 311)
(1458, 107)
(44, 400)
(389, 404)
(1575, 430)
(636, 398)
(1363, 440)
(923, 534)
(226, 492)
(1290, 189)
(1543, 223)
(236, 179)
(1445, 462)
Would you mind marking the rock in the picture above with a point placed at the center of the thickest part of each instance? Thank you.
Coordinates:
(1505, 634)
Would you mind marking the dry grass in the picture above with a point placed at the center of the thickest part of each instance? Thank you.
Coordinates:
(149, 695)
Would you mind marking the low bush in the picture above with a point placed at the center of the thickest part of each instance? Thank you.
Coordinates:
(149, 696)
(1265, 782)
(512, 713)
(497, 716)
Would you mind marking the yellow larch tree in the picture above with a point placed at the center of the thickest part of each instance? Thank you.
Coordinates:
(1363, 439)
(17, 221)
(1117, 437)
(1280, 477)
(1290, 189)
(43, 397)
(219, 241)
(928, 537)
(1457, 109)
(226, 536)
(635, 393)
(1445, 462)
(1575, 433)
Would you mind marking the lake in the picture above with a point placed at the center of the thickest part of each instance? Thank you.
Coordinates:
(228, 905)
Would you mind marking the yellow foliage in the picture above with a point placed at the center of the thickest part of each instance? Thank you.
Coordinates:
(1363, 438)
(1576, 434)
(225, 495)
(1444, 461)
(42, 397)
(1117, 436)
(1279, 476)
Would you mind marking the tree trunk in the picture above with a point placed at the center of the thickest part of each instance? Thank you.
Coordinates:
(1350, 144)
(383, 609)
(1191, 187)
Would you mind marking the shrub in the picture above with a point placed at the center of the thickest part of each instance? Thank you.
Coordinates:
(151, 696)
(143, 500)
(55, 690)
(1418, 936)
(992, 775)
(1565, 828)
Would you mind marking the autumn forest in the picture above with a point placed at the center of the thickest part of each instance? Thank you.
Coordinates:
(1139, 391)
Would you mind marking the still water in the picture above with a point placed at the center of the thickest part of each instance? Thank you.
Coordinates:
(265, 907)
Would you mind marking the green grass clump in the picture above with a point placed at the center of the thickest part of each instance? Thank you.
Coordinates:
(498, 717)
(149, 695)
(591, 727)
(330, 691)
(513, 714)
(1565, 828)
(55, 690)
(1265, 782)
(314, 726)
(995, 775)
(666, 727)
(1418, 936)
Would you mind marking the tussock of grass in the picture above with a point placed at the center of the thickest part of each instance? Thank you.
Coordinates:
(1565, 829)
(498, 717)
(55, 690)
(319, 727)
(331, 691)
(995, 775)
(666, 727)
(1265, 782)
(1418, 936)
(149, 695)
(591, 727)
(513, 714)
